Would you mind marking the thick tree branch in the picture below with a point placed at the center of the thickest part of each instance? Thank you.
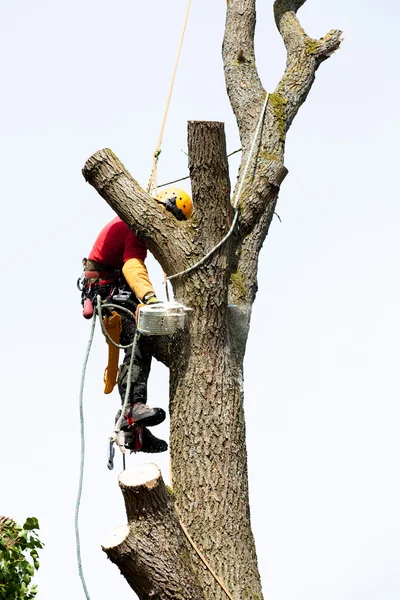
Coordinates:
(304, 55)
(260, 192)
(243, 83)
(247, 96)
(152, 551)
(167, 238)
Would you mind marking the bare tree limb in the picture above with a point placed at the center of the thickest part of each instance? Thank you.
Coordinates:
(243, 83)
(304, 55)
(260, 193)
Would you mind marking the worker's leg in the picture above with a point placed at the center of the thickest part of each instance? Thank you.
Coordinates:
(138, 411)
(141, 362)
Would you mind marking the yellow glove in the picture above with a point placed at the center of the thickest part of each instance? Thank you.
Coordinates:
(151, 298)
(137, 277)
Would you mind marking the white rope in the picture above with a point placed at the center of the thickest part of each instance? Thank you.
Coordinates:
(152, 185)
(236, 199)
(82, 463)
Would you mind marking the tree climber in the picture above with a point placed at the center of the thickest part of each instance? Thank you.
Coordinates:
(115, 270)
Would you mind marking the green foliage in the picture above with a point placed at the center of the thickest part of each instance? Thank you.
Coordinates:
(18, 559)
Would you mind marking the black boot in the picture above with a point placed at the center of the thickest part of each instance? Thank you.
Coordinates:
(150, 444)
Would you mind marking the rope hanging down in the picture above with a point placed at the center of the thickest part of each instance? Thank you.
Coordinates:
(82, 463)
(152, 185)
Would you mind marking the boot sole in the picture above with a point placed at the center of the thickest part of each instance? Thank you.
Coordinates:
(154, 451)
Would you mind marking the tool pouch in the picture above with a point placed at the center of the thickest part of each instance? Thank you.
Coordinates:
(113, 326)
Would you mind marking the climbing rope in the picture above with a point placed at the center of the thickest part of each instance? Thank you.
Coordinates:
(188, 176)
(201, 556)
(82, 463)
(236, 199)
(152, 185)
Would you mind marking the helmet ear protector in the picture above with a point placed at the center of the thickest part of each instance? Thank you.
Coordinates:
(176, 201)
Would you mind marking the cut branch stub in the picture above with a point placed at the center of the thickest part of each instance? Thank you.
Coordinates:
(261, 190)
(152, 552)
(209, 176)
(209, 173)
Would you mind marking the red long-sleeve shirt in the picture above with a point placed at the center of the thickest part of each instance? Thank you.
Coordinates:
(116, 244)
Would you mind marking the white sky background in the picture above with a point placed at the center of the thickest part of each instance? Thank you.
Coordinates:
(321, 379)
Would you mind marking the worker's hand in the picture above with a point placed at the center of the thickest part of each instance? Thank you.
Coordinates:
(153, 300)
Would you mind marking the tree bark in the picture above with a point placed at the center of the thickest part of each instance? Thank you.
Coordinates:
(207, 438)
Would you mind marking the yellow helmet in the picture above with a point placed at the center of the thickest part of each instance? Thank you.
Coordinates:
(176, 201)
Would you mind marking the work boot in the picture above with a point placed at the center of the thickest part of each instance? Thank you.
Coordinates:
(141, 414)
(150, 444)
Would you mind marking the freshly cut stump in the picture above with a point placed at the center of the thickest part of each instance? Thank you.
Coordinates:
(152, 551)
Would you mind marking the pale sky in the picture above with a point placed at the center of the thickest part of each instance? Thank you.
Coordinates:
(321, 371)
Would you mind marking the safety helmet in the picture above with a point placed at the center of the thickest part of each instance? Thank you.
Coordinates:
(176, 201)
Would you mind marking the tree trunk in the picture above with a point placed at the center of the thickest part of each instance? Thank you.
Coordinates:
(198, 542)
